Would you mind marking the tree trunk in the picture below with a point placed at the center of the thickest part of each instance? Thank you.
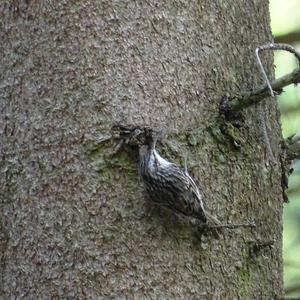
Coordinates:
(74, 222)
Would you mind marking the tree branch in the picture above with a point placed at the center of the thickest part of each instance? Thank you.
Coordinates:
(288, 38)
(248, 98)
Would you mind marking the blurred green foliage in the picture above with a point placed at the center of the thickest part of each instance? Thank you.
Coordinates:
(285, 18)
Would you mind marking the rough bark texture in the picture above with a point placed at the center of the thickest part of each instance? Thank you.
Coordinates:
(74, 222)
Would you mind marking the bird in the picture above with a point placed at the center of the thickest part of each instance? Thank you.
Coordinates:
(170, 186)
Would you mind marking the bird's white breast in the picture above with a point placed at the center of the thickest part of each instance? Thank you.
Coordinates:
(163, 162)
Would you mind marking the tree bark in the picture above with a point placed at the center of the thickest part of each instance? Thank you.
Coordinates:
(75, 222)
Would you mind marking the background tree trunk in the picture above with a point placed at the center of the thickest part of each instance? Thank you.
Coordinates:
(74, 222)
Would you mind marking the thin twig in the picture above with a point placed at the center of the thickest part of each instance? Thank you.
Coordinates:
(261, 111)
(273, 47)
(263, 71)
(248, 98)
